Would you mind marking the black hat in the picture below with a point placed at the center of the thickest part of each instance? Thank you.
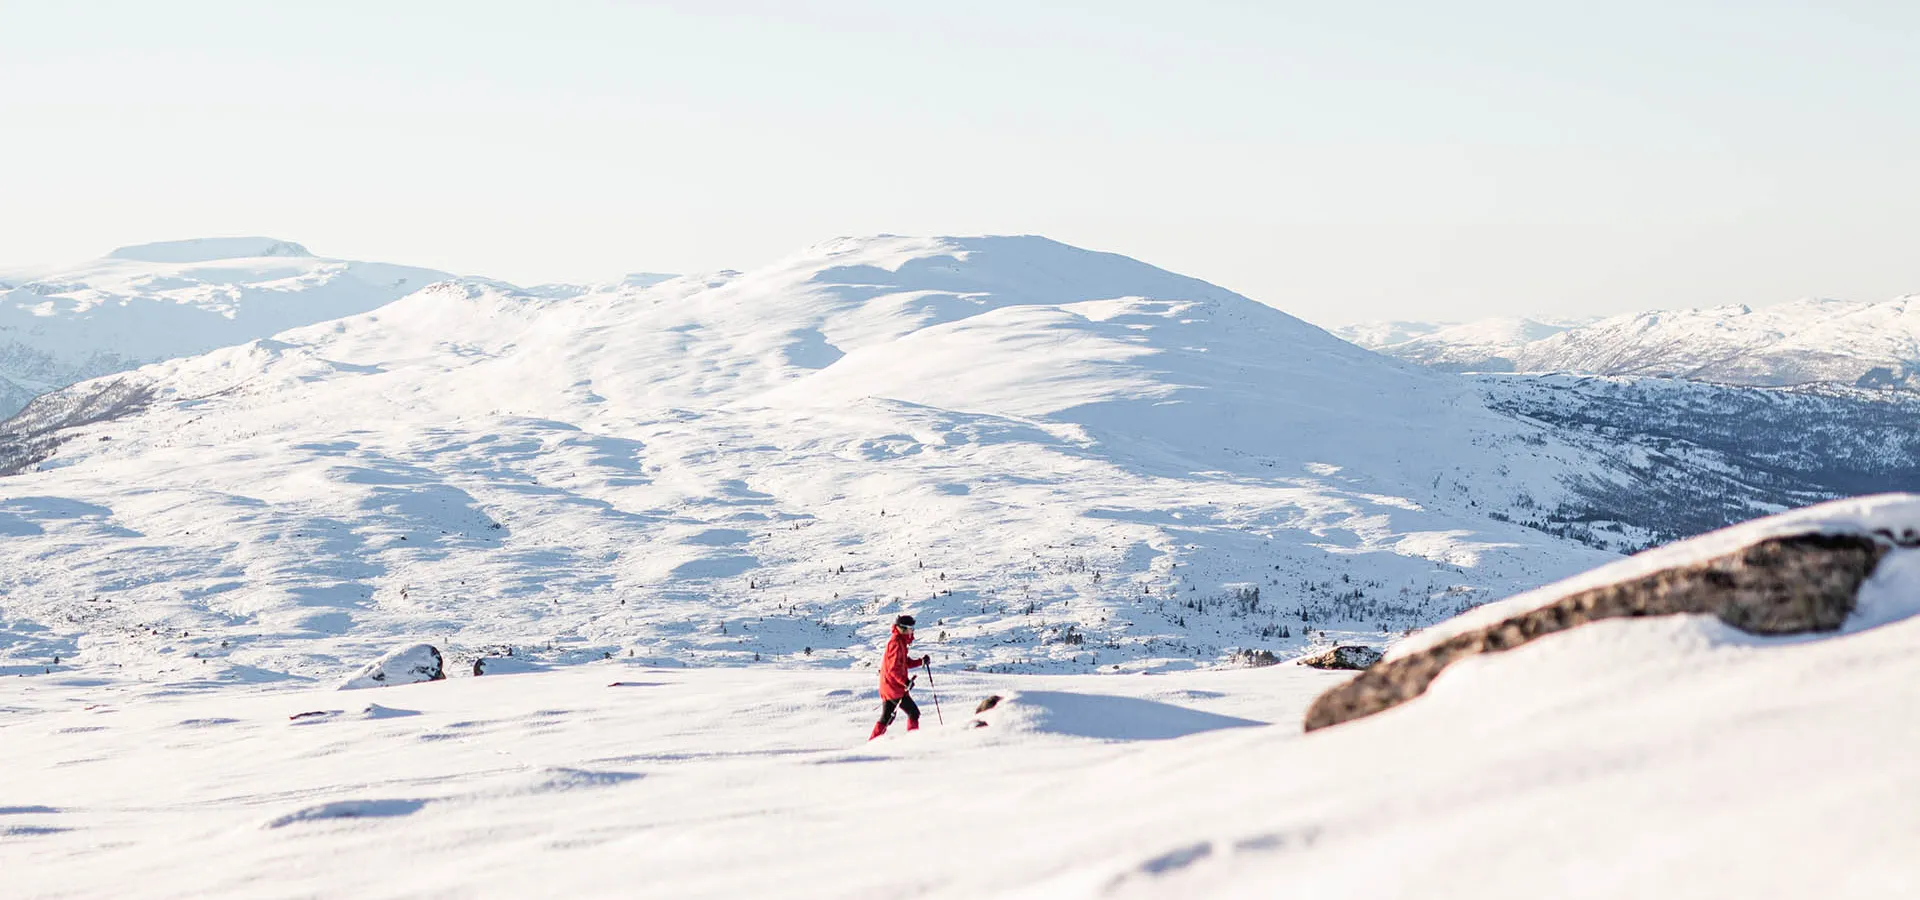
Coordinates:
(904, 620)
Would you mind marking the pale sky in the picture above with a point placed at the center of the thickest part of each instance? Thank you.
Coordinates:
(1343, 161)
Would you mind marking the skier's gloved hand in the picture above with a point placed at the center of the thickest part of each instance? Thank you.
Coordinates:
(926, 659)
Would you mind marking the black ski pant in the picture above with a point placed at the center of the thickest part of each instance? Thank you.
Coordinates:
(905, 703)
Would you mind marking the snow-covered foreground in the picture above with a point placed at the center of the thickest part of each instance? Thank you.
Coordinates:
(1665, 757)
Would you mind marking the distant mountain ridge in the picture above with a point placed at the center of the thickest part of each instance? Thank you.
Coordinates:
(194, 250)
(1812, 341)
(150, 302)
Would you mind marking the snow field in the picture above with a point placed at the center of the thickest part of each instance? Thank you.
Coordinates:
(1627, 758)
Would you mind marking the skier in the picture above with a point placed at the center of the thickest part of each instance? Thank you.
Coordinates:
(893, 678)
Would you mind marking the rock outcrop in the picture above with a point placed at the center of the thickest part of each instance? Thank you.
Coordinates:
(1780, 585)
(1345, 656)
(407, 665)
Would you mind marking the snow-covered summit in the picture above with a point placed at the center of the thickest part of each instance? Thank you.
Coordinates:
(209, 249)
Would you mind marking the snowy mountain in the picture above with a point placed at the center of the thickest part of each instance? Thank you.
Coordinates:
(1066, 459)
(1464, 347)
(1874, 345)
(1372, 335)
(143, 304)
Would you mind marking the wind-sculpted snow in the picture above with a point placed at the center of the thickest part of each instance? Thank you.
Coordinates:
(1062, 460)
(59, 325)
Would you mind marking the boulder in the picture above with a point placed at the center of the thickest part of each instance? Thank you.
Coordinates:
(993, 700)
(1345, 656)
(1776, 585)
(407, 665)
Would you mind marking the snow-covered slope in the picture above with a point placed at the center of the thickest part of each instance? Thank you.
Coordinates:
(1637, 757)
(1062, 459)
(142, 304)
(1808, 341)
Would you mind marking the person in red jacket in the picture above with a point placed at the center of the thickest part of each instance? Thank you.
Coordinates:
(893, 678)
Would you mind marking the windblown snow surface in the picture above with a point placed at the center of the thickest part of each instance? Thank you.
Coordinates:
(1669, 757)
(142, 304)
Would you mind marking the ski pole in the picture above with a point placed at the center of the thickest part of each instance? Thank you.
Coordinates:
(931, 693)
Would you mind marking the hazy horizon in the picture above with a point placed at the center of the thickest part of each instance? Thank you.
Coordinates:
(1367, 162)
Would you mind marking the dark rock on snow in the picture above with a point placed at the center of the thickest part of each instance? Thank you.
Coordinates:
(1346, 656)
(1256, 658)
(1786, 585)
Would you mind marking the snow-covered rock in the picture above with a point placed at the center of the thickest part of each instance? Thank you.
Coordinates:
(1345, 656)
(505, 665)
(1790, 574)
(407, 665)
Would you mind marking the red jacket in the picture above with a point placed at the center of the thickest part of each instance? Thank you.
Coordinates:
(894, 666)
